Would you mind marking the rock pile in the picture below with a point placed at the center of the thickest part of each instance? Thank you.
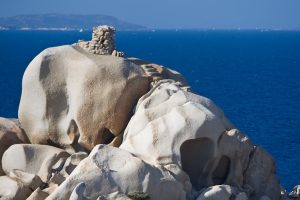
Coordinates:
(295, 194)
(112, 128)
(102, 43)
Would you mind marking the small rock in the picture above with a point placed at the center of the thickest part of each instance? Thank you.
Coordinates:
(30, 180)
(264, 198)
(10, 133)
(222, 192)
(296, 192)
(33, 159)
(10, 189)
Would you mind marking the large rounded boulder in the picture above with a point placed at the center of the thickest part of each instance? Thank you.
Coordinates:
(75, 100)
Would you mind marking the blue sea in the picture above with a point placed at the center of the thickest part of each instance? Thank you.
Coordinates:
(253, 76)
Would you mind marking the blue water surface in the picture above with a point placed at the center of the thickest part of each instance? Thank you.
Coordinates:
(253, 76)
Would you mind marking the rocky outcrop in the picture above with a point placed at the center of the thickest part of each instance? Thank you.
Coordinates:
(150, 137)
(109, 169)
(204, 144)
(10, 133)
(75, 100)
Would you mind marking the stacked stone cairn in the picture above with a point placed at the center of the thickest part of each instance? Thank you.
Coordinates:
(102, 43)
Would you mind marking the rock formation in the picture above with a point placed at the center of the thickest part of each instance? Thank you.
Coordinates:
(203, 144)
(109, 169)
(105, 127)
(78, 103)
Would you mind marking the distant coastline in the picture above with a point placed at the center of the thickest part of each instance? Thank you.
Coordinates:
(64, 22)
(144, 29)
(42, 29)
(74, 22)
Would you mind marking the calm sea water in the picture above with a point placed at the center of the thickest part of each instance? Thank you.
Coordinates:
(253, 76)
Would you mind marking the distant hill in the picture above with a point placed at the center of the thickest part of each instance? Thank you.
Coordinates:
(64, 22)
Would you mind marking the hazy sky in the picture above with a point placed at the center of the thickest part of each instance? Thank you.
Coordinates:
(284, 14)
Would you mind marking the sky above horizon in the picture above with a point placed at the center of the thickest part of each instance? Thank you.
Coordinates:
(219, 14)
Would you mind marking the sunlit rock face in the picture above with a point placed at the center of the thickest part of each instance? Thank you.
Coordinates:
(109, 169)
(75, 100)
(175, 127)
(104, 127)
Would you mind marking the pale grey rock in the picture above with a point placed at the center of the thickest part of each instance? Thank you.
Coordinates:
(32, 159)
(12, 190)
(64, 167)
(115, 196)
(173, 126)
(222, 192)
(159, 72)
(163, 121)
(250, 166)
(76, 100)
(260, 174)
(10, 133)
(78, 191)
(295, 193)
(31, 181)
(109, 169)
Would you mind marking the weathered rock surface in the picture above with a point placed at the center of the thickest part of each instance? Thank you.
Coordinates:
(109, 169)
(295, 194)
(33, 159)
(18, 185)
(64, 167)
(173, 144)
(172, 126)
(158, 72)
(75, 100)
(11, 189)
(10, 133)
(163, 121)
(38, 194)
(222, 192)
